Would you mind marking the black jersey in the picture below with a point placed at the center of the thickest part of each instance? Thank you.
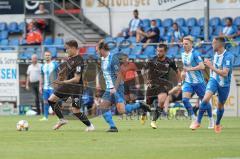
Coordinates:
(159, 70)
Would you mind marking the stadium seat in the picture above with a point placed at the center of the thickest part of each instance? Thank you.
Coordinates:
(14, 42)
(91, 50)
(146, 29)
(201, 22)
(48, 41)
(4, 44)
(215, 21)
(13, 27)
(119, 40)
(146, 23)
(172, 51)
(167, 22)
(149, 50)
(236, 21)
(126, 50)
(191, 22)
(3, 35)
(162, 31)
(132, 39)
(217, 30)
(181, 22)
(137, 50)
(59, 43)
(132, 56)
(159, 22)
(22, 26)
(185, 30)
(109, 39)
(3, 26)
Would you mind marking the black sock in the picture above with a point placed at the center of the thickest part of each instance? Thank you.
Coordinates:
(56, 109)
(155, 114)
(83, 118)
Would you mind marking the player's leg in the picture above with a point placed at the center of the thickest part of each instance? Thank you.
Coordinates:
(81, 116)
(162, 98)
(46, 95)
(222, 97)
(187, 92)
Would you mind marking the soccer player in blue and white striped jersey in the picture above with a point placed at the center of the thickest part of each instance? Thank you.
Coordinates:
(192, 75)
(48, 75)
(220, 79)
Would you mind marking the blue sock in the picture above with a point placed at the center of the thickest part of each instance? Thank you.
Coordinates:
(219, 115)
(188, 106)
(108, 118)
(209, 110)
(46, 108)
(130, 107)
(202, 108)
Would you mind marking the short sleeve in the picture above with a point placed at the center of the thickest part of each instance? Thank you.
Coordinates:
(227, 62)
(79, 69)
(197, 57)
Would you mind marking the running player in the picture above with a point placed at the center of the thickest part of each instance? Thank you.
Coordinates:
(220, 79)
(158, 82)
(48, 75)
(192, 73)
(70, 84)
(114, 92)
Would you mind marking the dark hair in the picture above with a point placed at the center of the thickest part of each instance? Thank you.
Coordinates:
(220, 39)
(163, 46)
(72, 43)
(230, 19)
(103, 45)
(135, 10)
(175, 24)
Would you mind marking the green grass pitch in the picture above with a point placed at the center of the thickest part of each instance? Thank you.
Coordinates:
(172, 140)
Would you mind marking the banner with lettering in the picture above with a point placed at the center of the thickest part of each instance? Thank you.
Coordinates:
(155, 5)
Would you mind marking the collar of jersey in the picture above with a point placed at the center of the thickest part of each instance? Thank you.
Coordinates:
(221, 54)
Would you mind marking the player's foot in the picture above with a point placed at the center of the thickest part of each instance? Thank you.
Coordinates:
(60, 123)
(195, 110)
(217, 129)
(194, 125)
(43, 119)
(145, 107)
(154, 124)
(112, 129)
(143, 119)
(211, 124)
(90, 128)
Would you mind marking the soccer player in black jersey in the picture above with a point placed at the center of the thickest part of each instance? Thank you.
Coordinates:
(69, 84)
(158, 81)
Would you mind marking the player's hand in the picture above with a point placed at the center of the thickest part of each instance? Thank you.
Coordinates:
(112, 91)
(208, 63)
(187, 69)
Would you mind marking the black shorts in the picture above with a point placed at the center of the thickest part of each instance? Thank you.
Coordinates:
(153, 92)
(176, 98)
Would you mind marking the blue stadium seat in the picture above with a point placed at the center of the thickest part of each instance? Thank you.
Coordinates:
(181, 22)
(146, 23)
(217, 30)
(235, 50)
(172, 51)
(126, 50)
(146, 29)
(13, 27)
(132, 39)
(132, 56)
(4, 44)
(215, 21)
(191, 22)
(22, 26)
(149, 50)
(48, 41)
(59, 43)
(210, 31)
(109, 39)
(91, 50)
(137, 50)
(201, 22)
(185, 30)
(159, 22)
(3, 35)
(14, 42)
(167, 22)
(162, 31)
(236, 21)
(119, 39)
(3, 26)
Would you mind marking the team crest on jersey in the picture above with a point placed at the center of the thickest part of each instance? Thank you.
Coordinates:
(167, 65)
(78, 69)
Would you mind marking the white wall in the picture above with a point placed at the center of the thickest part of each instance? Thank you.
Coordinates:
(12, 18)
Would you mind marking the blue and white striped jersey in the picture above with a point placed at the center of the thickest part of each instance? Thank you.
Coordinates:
(192, 59)
(49, 73)
(110, 66)
(225, 60)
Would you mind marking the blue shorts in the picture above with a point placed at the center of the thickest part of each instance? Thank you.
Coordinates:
(47, 93)
(118, 97)
(198, 88)
(214, 87)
